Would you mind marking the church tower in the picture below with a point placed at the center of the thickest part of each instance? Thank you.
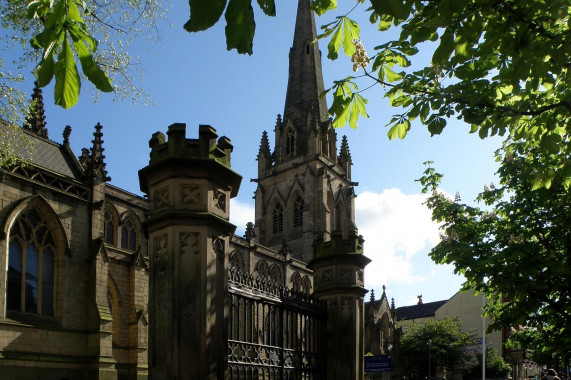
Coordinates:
(304, 185)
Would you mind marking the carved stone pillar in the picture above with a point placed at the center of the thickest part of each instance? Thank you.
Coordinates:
(338, 267)
(189, 183)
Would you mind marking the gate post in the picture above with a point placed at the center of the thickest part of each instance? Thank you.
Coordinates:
(189, 184)
(338, 268)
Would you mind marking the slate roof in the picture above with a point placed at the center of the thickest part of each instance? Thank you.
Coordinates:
(47, 154)
(423, 310)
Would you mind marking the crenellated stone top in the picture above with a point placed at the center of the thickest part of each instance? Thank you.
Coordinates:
(207, 146)
(353, 244)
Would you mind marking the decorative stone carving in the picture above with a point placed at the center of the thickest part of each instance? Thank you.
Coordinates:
(189, 242)
(219, 200)
(160, 245)
(217, 248)
(161, 198)
(190, 194)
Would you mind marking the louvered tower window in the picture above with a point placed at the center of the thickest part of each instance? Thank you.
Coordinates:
(278, 219)
(298, 212)
(290, 142)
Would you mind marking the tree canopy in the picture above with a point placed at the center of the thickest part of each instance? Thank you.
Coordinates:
(498, 65)
(59, 36)
(517, 247)
(496, 367)
(442, 341)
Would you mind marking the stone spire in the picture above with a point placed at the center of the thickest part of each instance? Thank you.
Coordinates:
(36, 120)
(96, 163)
(305, 81)
(344, 159)
(264, 146)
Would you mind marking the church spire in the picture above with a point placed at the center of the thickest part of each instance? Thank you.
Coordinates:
(305, 81)
(36, 120)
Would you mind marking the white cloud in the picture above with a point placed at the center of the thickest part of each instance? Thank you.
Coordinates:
(240, 214)
(396, 227)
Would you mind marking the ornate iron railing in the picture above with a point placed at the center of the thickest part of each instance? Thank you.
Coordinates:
(273, 332)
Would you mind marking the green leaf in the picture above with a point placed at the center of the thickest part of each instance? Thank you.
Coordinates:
(350, 33)
(37, 8)
(445, 49)
(436, 126)
(322, 6)
(73, 12)
(44, 72)
(66, 92)
(551, 143)
(357, 109)
(391, 76)
(268, 6)
(342, 117)
(399, 130)
(240, 26)
(396, 8)
(91, 70)
(461, 47)
(204, 14)
(334, 43)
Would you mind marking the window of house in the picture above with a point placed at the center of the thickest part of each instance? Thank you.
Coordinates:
(278, 219)
(128, 235)
(30, 287)
(290, 142)
(298, 212)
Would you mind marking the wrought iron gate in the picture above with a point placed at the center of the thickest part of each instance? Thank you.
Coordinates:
(273, 332)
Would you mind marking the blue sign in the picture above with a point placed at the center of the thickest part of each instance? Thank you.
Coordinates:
(379, 363)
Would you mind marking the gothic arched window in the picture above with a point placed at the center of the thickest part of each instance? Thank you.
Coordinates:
(290, 142)
(298, 212)
(129, 234)
(276, 275)
(110, 223)
(31, 265)
(278, 219)
(296, 283)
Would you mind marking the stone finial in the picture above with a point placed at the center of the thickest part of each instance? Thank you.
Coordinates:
(250, 232)
(393, 307)
(264, 146)
(66, 134)
(36, 119)
(372, 295)
(84, 158)
(285, 250)
(96, 166)
(345, 154)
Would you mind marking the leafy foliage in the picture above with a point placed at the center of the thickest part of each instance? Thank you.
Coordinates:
(239, 15)
(57, 35)
(517, 250)
(496, 367)
(497, 65)
(442, 340)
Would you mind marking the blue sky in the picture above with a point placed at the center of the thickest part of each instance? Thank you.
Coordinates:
(193, 79)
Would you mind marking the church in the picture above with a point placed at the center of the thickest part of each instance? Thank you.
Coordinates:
(99, 283)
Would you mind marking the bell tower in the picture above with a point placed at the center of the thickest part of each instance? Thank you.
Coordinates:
(304, 184)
